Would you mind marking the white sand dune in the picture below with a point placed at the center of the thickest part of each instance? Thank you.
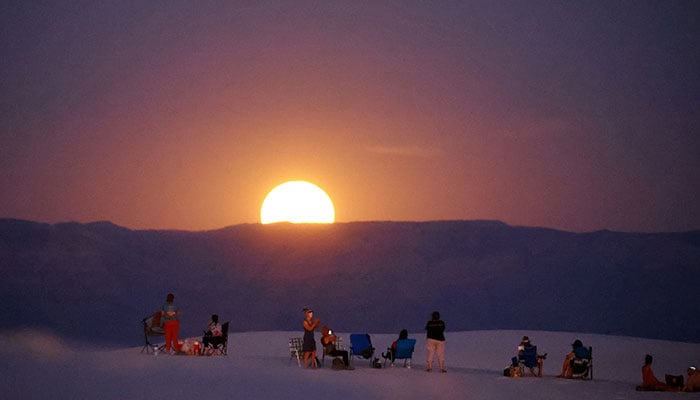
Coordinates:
(37, 365)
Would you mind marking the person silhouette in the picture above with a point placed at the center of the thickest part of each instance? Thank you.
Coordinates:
(171, 325)
(435, 342)
(309, 342)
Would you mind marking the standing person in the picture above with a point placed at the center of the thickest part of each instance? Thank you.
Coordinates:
(171, 325)
(436, 341)
(309, 343)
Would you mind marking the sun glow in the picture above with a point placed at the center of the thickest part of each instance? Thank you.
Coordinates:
(297, 202)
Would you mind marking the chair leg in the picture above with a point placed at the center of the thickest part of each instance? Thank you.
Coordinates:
(298, 357)
(147, 345)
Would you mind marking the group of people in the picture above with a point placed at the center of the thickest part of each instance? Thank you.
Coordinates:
(435, 342)
(580, 352)
(435, 346)
(527, 349)
(328, 341)
(650, 382)
(213, 335)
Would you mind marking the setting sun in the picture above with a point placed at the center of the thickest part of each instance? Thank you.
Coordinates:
(297, 202)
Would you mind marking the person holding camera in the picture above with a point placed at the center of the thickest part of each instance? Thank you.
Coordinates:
(309, 342)
(328, 340)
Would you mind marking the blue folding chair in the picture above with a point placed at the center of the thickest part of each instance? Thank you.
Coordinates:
(404, 351)
(582, 364)
(530, 359)
(361, 346)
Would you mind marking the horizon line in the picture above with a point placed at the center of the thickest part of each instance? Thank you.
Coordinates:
(387, 221)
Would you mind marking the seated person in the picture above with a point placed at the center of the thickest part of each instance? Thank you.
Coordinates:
(213, 336)
(693, 383)
(578, 351)
(328, 339)
(391, 351)
(649, 381)
(525, 349)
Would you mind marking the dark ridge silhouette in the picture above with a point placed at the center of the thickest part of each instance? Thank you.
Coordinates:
(98, 280)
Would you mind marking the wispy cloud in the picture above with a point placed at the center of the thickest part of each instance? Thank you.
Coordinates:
(404, 151)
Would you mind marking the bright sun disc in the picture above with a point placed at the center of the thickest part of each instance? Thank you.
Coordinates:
(297, 202)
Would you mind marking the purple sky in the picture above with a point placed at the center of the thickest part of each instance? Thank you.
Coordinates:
(171, 114)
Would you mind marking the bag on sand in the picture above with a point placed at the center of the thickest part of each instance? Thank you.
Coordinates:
(338, 364)
(674, 380)
(512, 371)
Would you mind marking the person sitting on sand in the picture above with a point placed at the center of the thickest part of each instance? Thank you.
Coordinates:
(693, 383)
(649, 381)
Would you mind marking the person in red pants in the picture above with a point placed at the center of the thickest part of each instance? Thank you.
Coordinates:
(170, 324)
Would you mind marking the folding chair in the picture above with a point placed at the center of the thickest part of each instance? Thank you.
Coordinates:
(582, 367)
(361, 346)
(295, 346)
(404, 351)
(338, 346)
(219, 343)
(151, 327)
(530, 359)
(295, 350)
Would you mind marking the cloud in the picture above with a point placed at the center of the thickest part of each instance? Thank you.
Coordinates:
(404, 151)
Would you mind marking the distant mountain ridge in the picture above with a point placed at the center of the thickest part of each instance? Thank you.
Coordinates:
(99, 279)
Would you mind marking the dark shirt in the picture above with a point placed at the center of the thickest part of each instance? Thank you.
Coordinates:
(581, 352)
(436, 330)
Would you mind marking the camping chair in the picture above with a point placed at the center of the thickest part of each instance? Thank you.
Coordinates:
(530, 359)
(404, 351)
(361, 346)
(582, 368)
(152, 327)
(295, 346)
(338, 346)
(219, 343)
